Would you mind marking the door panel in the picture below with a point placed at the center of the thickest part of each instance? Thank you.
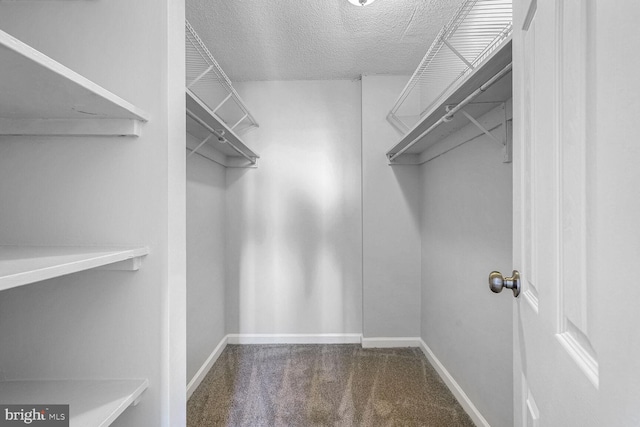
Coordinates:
(576, 212)
(555, 364)
(574, 305)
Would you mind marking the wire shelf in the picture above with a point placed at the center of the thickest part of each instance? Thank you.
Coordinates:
(477, 29)
(206, 80)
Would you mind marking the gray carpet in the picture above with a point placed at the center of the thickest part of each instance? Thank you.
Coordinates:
(323, 385)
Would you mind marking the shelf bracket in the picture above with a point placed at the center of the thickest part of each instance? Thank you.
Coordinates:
(482, 128)
(131, 264)
(503, 140)
(200, 145)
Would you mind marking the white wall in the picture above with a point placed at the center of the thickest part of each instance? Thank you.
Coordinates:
(205, 260)
(294, 223)
(391, 220)
(466, 233)
(103, 191)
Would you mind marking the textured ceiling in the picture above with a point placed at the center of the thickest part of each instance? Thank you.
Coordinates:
(317, 39)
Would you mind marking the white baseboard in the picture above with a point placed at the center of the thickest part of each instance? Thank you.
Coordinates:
(455, 388)
(294, 338)
(204, 369)
(390, 342)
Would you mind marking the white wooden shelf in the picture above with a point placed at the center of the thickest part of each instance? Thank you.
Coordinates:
(92, 403)
(21, 265)
(201, 121)
(497, 93)
(43, 97)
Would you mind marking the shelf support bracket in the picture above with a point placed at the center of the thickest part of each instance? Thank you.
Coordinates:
(459, 55)
(482, 128)
(503, 141)
(131, 264)
(200, 145)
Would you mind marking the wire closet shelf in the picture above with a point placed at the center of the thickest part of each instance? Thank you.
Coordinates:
(477, 29)
(206, 80)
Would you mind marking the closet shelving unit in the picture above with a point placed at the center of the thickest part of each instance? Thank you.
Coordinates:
(465, 74)
(216, 115)
(41, 97)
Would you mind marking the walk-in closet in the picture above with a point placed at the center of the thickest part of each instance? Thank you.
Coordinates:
(337, 212)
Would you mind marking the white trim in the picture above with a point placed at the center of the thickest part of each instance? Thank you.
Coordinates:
(579, 352)
(455, 388)
(204, 369)
(390, 342)
(294, 338)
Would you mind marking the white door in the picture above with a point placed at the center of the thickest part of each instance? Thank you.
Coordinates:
(577, 212)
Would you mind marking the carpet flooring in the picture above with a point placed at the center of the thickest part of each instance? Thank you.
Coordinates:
(323, 385)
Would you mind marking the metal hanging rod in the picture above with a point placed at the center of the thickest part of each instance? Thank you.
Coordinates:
(449, 115)
(221, 138)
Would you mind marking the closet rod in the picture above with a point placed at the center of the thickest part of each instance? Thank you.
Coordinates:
(455, 109)
(220, 136)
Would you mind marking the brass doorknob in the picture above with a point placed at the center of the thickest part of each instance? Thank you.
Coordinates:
(497, 282)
